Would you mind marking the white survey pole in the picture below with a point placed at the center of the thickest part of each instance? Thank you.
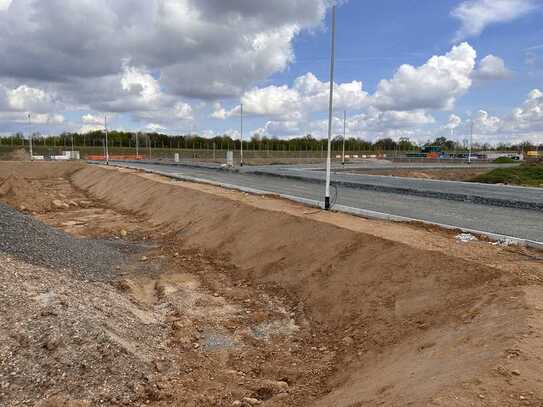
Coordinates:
(344, 135)
(107, 148)
(137, 144)
(30, 137)
(330, 112)
(241, 136)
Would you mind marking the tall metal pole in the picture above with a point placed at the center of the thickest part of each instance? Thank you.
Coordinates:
(330, 112)
(241, 151)
(30, 137)
(470, 141)
(344, 135)
(107, 147)
(454, 143)
(137, 144)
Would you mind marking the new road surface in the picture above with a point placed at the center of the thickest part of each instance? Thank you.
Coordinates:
(502, 210)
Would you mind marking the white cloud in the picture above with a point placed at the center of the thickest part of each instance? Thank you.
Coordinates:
(307, 95)
(29, 99)
(183, 111)
(219, 112)
(525, 123)
(92, 119)
(140, 84)
(370, 125)
(453, 122)
(200, 48)
(492, 68)
(435, 85)
(278, 101)
(4, 4)
(155, 127)
(87, 128)
(476, 15)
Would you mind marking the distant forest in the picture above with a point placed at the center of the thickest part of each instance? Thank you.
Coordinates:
(307, 143)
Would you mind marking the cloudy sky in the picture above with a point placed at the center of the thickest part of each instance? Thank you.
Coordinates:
(405, 68)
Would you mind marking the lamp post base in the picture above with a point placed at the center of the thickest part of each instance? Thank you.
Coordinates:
(327, 203)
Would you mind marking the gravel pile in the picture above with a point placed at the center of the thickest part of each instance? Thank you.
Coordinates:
(36, 243)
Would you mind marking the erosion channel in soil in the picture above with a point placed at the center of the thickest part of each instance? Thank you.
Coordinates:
(190, 295)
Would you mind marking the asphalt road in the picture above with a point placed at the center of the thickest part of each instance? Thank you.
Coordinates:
(515, 222)
(499, 195)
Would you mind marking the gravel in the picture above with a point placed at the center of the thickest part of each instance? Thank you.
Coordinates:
(36, 243)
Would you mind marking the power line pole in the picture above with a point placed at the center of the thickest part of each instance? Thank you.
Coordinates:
(344, 135)
(330, 112)
(107, 147)
(30, 137)
(241, 151)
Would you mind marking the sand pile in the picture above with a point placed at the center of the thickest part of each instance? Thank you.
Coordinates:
(19, 193)
(419, 326)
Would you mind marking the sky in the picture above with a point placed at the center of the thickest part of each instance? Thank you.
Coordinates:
(404, 68)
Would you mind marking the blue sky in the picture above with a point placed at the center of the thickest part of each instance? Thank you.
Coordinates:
(196, 60)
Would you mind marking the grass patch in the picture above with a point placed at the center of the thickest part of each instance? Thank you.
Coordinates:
(528, 174)
(505, 160)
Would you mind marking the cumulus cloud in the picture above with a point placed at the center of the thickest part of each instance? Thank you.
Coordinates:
(525, 123)
(26, 98)
(4, 4)
(155, 127)
(307, 95)
(371, 125)
(492, 68)
(435, 85)
(476, 15)
(92, 119)
(453, 122)
(201, 48)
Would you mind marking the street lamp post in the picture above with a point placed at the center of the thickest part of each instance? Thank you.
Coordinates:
(30, 137)
(330, 112)
(470, 141)
(241, 136)
(107, 146)
(344, 135)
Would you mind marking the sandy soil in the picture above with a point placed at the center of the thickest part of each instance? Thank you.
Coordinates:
(267, 300)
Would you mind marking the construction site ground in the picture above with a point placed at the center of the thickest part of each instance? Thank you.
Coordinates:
(221, 298)
(446, 174)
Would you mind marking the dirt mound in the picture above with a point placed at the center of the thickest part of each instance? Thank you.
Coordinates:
(54, 337)
(13, 154)
(19, 193)
(38, 170)
(20, 185)
(411, 326)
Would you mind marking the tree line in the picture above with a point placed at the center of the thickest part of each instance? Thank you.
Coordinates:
(256, 142)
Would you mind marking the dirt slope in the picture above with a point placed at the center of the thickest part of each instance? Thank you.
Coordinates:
(411, 326)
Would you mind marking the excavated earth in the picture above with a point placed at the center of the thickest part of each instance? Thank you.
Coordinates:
(119, 288)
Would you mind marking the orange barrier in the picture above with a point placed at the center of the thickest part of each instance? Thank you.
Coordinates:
(116, 157)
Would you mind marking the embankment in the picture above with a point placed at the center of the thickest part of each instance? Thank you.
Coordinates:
(419, 326)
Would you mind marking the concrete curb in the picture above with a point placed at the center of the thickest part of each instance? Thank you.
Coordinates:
(364, 213)
(477, 199)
